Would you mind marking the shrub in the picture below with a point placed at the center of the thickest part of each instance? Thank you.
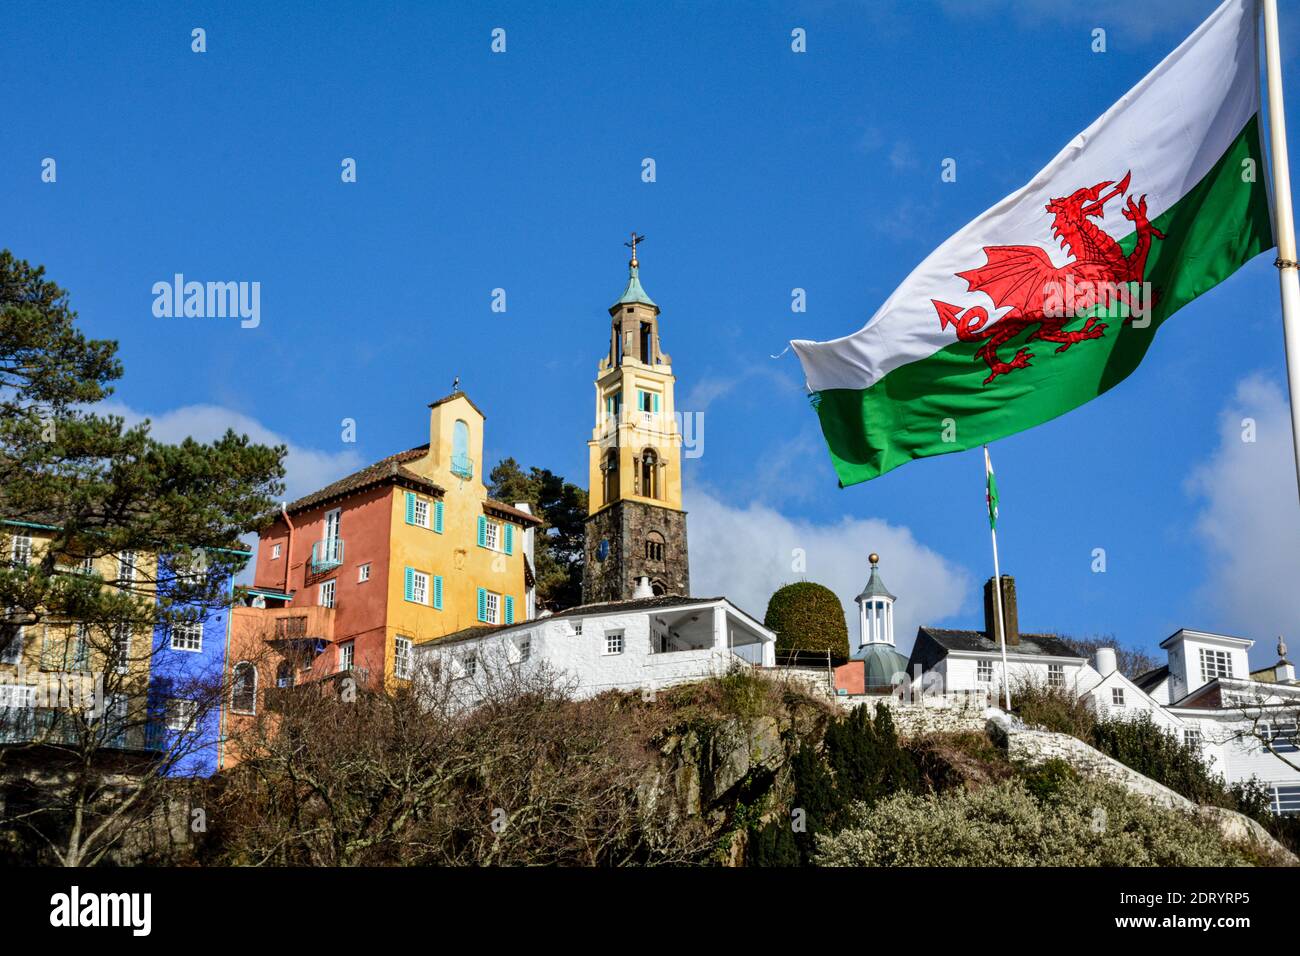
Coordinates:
(1154, 752)
(807, 617)
(1049, 778)
(1054, 708)
(866, 759)
(1085, 823)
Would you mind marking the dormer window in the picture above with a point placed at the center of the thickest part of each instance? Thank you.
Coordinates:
(1215, 664)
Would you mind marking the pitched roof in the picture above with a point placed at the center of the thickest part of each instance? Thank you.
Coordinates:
(456, 394)
(390, 469)
(1045, 645)
(1149, 680)
(510, 511)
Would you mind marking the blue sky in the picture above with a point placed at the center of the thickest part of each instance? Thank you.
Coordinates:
(522, 171)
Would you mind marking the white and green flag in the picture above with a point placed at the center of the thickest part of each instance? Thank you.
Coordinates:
(991, 492)
(1054, 295)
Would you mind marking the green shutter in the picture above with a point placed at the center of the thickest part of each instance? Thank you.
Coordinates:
(510, 609)
(510, 539)
(437, 591)
(482, 604)
(410, 584)
(482, 531)
(81, 656)
(656, 401)
(410, 507)
(437, 516)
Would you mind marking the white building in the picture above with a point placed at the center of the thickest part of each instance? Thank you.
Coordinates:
(643, 644)
(1205, 695)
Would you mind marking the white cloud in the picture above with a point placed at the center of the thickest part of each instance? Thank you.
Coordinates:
(1250, 521)
(746, 553)
(306, 469)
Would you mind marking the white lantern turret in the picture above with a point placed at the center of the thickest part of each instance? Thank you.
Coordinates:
(875, 610)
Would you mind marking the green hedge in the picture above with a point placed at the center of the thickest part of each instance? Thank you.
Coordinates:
(807, 617)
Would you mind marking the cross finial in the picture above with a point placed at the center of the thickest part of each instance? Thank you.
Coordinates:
(632, 245)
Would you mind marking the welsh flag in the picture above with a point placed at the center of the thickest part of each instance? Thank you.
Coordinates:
(1054, 295)
(991, 492)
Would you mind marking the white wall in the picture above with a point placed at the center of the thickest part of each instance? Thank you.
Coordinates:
(583, 656)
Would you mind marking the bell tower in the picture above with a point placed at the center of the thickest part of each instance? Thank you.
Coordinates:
(635, 524)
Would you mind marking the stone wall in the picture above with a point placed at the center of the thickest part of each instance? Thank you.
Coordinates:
(626, 525)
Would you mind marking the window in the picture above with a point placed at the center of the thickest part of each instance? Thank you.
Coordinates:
(181, 713)
(654, 546)
(122, 648)
(461, 464)
(1286, 799)
(11, 643)
(491, 607)
(275, 552)
(402, 658)
(577, 628)
(470, 663)
(347, 655)
(417, 586)
(21, 549)
(284, 675)
(491, 535)
(1281, 735)
(243, 692)
(187, 637)
(1215, 664)
(363, 573)
(525, 648)
(647, 401)
(327, 594)
(613, 642)
(126, 567)
(1055, 675)
(1117, 696)
(984, 672)
(87, 566)
(1193, 738)
(419, 512)
(613, 405)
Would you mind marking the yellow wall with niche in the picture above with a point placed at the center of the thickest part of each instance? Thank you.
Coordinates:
(455, 553)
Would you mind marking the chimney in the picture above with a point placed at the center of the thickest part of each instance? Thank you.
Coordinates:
(1008, 611)
(1107, 662)
(643, 589)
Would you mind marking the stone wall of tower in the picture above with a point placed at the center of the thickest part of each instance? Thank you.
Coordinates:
(628, 526)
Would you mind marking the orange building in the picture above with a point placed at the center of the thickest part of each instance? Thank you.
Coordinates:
(351, 577)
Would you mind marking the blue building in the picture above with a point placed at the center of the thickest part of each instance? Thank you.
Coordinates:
(187, 683)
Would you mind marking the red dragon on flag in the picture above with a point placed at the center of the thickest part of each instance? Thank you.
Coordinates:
(1041, 294)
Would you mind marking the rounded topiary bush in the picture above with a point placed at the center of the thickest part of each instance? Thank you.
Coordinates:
(807, 617)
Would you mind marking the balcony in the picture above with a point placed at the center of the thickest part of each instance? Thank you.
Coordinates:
(284, 626)
(462, 466)
(326, 555)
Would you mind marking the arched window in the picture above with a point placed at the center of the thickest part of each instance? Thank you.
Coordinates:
(649, 473)
(657, 587)
(654, 546)
(243, 692)
(460, 463)
(611, 475)
(284, 675)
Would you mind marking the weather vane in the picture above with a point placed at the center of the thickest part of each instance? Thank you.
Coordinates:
(632, 245)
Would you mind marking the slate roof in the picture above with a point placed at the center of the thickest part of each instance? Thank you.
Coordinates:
(934, 643)
(390, 469)
(1147, 681)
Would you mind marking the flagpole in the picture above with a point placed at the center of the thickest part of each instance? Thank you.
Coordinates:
(1283, 222)
(997, 592)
